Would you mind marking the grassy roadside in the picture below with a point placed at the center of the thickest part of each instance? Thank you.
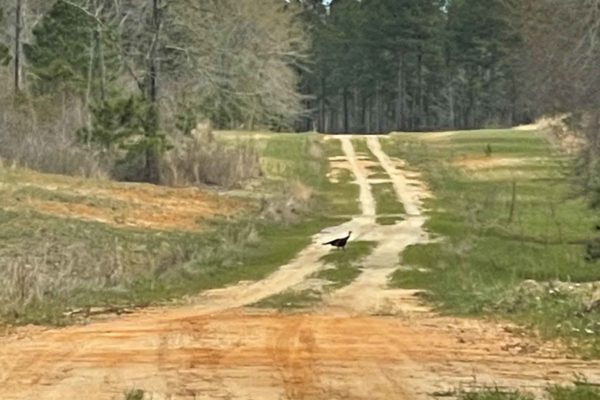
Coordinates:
(56, 264)
(510, 226)
(579, 391)
(342, 267)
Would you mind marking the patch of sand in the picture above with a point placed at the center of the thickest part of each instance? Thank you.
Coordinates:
(483, 162)
(122, 204)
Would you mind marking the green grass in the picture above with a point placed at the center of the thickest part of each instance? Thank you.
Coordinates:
(341, 196)
(290, 300)
(135, 394)
(494, 394)
(388, 219)
(361, 148)
(579, 391)
(85, 264)
(375, 171)
(342, 268)
(378, 173)
(490, 243)
(295, 157)
(389, 208)
(345, 264)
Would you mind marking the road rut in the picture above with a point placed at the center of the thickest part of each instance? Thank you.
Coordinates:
(365, 342)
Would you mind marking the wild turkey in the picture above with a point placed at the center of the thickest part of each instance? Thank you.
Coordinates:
(339, 243)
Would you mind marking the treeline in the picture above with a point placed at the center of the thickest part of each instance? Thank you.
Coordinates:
(381, 65)
(116, 85)
(561, 58)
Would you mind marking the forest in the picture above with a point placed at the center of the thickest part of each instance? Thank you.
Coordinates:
(114, 86)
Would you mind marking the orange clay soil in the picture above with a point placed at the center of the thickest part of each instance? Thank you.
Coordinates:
(245, 355)
(365, 341)
(118, 204)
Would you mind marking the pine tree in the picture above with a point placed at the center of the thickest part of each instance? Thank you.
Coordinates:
(4, 51)
(381, 65)
(74, 49)
(481, 44)
(58, 55)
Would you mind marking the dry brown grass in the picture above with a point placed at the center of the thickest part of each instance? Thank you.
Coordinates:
(562, 136)
(289, 205)
(116, 204)
(39, 133)
(200, 160)
(29, 280)
(483, 162)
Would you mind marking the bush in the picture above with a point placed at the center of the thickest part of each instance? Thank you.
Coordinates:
(39, 134)
(580, 391)
(199, 159)
(53, 135)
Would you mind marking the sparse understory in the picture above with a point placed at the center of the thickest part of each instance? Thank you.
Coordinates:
(74, 245)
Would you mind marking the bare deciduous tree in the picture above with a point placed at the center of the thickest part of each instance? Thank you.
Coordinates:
(241, 60)
(561, 57)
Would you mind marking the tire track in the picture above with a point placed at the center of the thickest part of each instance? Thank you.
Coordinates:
(408, 195)
(369, 293)
(366, 199)
(352, 349)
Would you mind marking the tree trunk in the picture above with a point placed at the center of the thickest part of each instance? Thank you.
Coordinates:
(321, 122)
(153, 145)
(335, 123)
(88, 90)
(514, 98)
(400, 96)
(346, 110)
(378, 109)
(356, 111)
(419, 105)
(99, 36)
(451, 116)
(368, 115)
(153, 53)
(18, 46)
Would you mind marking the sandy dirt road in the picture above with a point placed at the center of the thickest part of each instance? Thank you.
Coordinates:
(365, 342)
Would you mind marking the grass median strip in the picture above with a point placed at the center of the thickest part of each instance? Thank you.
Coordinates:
(341, 268)
(345, 264)
(389, 208)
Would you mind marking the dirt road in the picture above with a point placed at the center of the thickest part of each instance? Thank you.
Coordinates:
(365, 342)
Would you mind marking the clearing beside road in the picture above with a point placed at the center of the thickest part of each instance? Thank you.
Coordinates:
(358, 339)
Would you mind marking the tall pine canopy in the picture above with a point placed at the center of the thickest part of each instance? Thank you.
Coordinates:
(59, 52)
(4, 52)
(381, 65)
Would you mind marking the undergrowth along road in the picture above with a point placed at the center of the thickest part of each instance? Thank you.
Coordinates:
(75, 245)
(511, 231)
(366, 341)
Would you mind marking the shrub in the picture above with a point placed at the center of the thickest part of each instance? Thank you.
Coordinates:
(199, 159)
(38, 134)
